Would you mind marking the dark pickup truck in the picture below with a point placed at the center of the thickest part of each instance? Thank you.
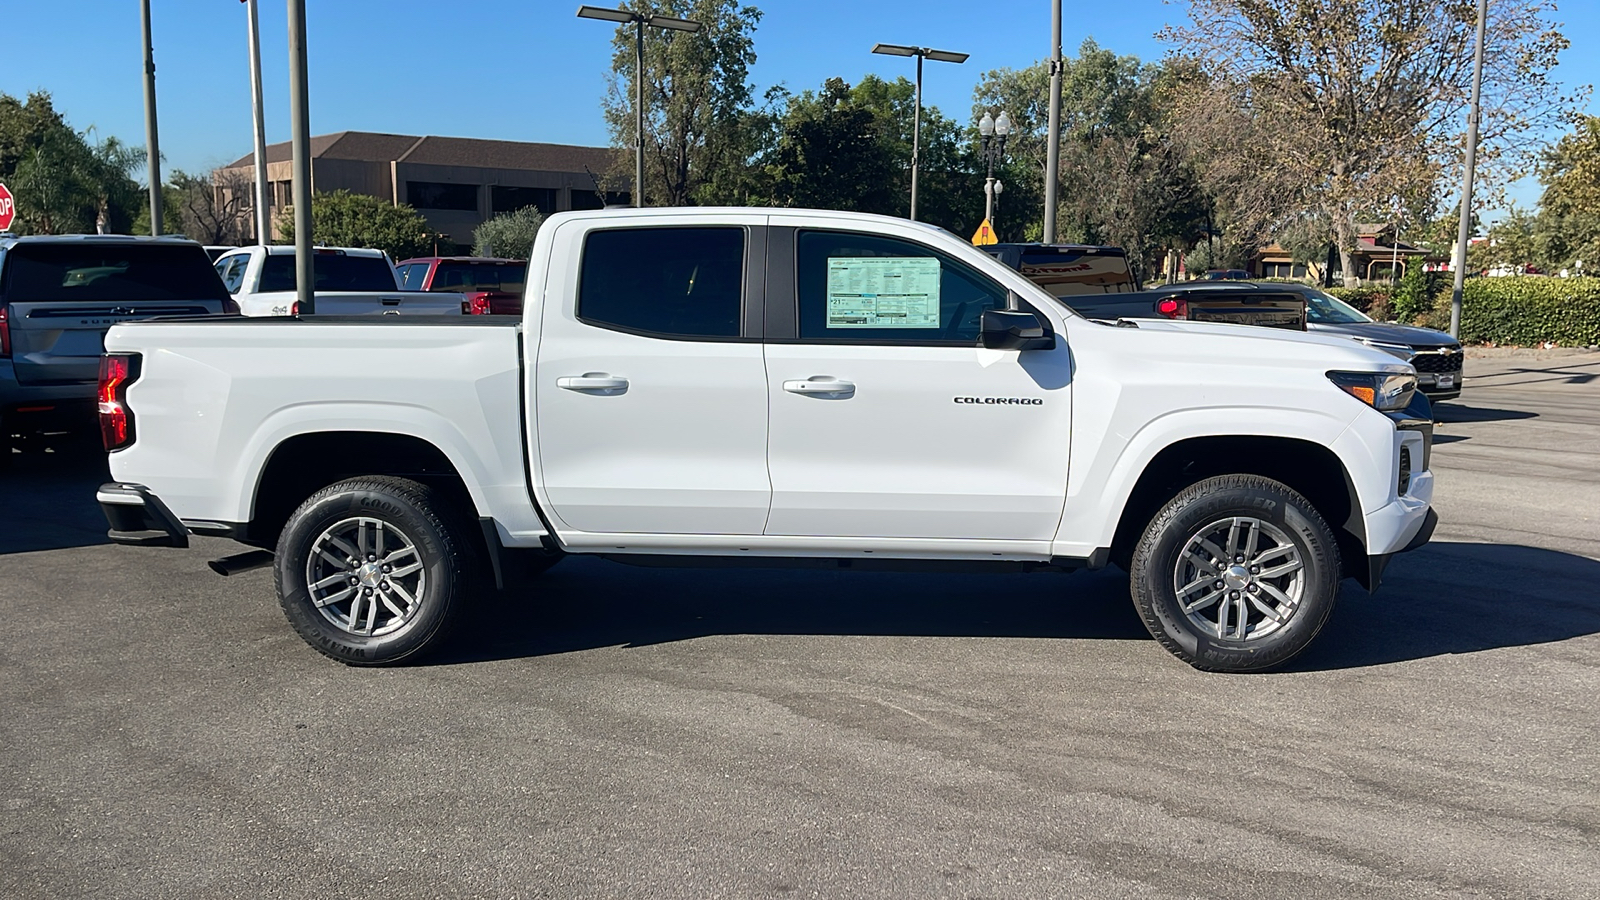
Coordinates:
(1096, 282)
(58, 296)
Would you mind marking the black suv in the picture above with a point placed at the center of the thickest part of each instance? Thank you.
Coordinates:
(58, 296)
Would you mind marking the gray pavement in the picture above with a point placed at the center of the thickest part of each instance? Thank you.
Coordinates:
(621, 732)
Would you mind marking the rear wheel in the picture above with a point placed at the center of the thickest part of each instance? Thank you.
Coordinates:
(1237, 573)
(374, 571)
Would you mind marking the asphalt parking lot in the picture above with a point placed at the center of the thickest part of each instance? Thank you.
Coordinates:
(621, 732)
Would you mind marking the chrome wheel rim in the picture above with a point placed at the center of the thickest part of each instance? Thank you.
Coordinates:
(366, 577)
(1239, 579)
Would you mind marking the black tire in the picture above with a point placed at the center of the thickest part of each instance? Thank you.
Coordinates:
(448, 571)
(1260, 640)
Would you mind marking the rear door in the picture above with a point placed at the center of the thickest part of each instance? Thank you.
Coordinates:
(62, 296)
(650, 392)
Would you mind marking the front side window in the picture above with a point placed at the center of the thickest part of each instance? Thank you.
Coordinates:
(667, 282)
(862, 288)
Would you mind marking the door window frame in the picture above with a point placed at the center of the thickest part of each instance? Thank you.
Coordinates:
(782, 309)
(753, 289)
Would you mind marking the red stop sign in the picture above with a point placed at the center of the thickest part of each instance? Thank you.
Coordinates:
(8, 208)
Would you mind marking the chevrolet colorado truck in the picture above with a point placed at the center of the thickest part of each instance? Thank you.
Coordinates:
(745, 386)
(349, 282)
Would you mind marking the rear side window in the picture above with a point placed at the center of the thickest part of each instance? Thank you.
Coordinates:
(671, 282)
(475, 276)
(334, 272)
(110, 272)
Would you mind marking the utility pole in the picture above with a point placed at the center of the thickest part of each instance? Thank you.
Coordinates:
(1053, 150)
(152, 145)
(1464, 232)
(300, 144)
(624, 17)
(916, 116)
(263, 217)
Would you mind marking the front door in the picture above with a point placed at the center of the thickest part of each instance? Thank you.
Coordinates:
(888, 420)
(650, 388)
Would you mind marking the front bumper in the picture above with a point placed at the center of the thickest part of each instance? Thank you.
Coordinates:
(139, 518)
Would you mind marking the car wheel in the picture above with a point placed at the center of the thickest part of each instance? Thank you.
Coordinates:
(1237, 573)
(374, 571)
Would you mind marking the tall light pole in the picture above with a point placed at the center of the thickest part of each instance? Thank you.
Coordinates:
(990, 128)
(300, 145)
(639, 21)
(916, 116)
(1464, 232)
(152, 145)
(263, 221)
(1052, 162)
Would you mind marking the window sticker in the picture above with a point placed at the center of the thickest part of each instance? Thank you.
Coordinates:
(883, 292)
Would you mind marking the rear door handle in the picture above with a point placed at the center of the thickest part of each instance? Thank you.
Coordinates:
(592, 381)
(820, 384)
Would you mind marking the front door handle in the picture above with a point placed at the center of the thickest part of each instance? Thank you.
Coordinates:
(821, 384)
(592, 381)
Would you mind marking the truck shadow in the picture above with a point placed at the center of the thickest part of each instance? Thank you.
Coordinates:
(1446, 598)
(48, 496)
(1454, 413)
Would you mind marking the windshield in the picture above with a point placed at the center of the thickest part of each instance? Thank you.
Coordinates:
(468, 276)
(1326, 309)
(334, 272)
(111, 272)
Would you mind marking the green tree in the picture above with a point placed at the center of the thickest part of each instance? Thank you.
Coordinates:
(700, 125)
(1568, 230)
(832, 153)
(64, 180)
(1333, 109)
(508, 234)
(344, 219)
(1509, 245)
(1124, 178)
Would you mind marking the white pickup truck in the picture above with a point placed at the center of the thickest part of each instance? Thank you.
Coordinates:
(351, 281)
(810, 388)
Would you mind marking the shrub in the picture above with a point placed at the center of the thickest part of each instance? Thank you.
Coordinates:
(508, 234)
(1526, 310)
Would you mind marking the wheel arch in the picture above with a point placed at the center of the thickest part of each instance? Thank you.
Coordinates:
(302, 464)
(1309, 468)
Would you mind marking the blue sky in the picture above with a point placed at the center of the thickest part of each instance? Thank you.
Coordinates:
(520, 69)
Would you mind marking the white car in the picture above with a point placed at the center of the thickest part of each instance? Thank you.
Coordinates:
(351, 281)
(816, 388)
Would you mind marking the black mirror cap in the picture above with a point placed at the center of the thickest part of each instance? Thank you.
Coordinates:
(1005, 329)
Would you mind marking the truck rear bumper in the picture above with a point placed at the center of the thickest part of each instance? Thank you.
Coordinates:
(139, 518)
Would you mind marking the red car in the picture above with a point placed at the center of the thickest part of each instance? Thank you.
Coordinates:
(492, 286)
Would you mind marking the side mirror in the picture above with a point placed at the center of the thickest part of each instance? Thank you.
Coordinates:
(1005, 329)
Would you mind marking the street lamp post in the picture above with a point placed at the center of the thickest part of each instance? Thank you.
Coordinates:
(916, 117)
(263, 220)
(1464, 232)
(639, 20)
(994, 132)
(152, 144)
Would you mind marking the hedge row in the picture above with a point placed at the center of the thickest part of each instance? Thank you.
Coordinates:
(1522, 310)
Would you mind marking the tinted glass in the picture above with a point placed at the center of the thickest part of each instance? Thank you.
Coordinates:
(508, 198)
(100, 272)
(232, 272)
(856, 287)
(334, 272)
(441, 195)
(1074, 273)
(1326, 309)
(683, 282)
(467, 276)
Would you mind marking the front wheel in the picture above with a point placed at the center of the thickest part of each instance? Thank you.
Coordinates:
(1237, 573)
(373, 571)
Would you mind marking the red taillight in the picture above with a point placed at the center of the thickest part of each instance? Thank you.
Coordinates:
(294, 308)
(477, 305)
(5, 333)
(117, 371)
(1173, 308)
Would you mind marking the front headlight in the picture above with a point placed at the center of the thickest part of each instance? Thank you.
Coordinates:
(1385, 391)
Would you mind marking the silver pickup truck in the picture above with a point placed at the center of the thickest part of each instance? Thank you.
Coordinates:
(58, 296)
